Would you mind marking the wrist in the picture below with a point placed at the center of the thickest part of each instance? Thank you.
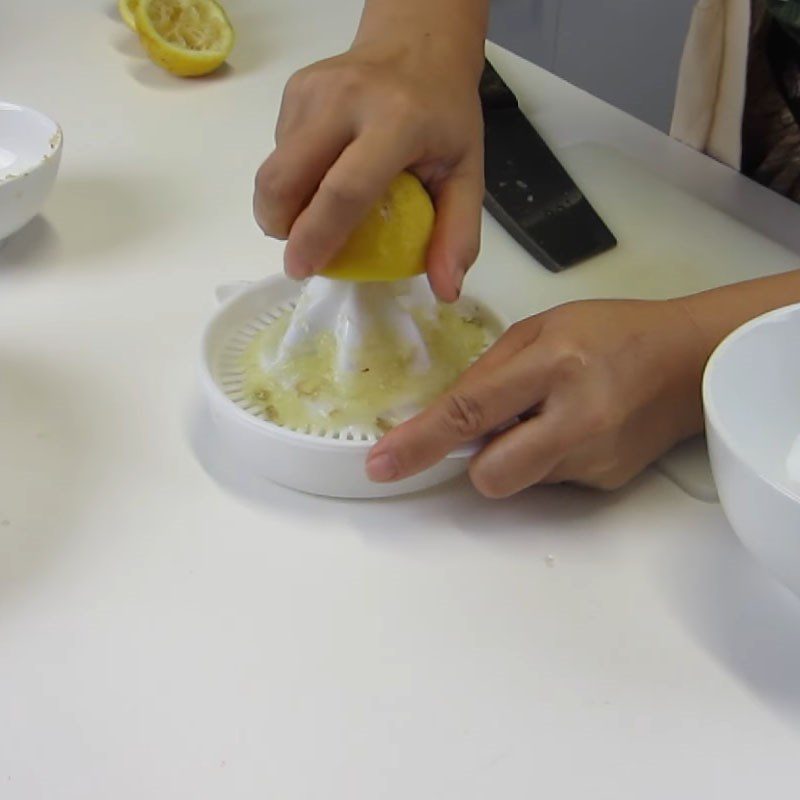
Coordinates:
(450, 32)
(686, 355)
(711, 315)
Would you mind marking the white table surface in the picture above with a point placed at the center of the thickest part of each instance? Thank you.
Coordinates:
(169, 634)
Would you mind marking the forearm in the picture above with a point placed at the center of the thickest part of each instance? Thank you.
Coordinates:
(717, 312)
(458, 26)
(703, 321)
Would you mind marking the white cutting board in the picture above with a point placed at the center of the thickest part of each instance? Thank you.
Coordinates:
(670, 244)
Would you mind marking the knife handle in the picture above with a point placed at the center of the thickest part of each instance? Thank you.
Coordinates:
(493, 91)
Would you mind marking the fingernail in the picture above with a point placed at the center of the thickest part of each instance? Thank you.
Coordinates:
(382, 468)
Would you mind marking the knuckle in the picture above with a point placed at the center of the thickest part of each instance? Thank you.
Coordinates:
(265, 177)
(404, 105)
(330, 79)
(517, 330)
(604, 470)
(299, 82)
(337, 80)
(273, 186)
(569, 358)
(348, 75)
(599, 418)
(603, 413)
(524, 331)
(270, 205)
(463, 415)
(609, 481)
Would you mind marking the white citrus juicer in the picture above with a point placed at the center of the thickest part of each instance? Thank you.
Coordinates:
(303, 381)
(326, 457)
(353, 309)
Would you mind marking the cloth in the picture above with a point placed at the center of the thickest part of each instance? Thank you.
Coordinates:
(709, 101)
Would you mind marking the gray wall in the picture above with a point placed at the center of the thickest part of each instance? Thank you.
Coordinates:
(625, 51)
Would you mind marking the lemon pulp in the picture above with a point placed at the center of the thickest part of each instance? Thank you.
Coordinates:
(185, 37)
(306, 391)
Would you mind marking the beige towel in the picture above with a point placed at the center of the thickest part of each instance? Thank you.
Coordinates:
(709, 102)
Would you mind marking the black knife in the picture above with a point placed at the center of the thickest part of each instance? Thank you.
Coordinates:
(528, 191)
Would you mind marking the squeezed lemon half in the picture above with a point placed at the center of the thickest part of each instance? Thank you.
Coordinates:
(391, 243)
(185, 37)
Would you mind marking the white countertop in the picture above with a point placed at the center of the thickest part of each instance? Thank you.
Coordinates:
(166, 634)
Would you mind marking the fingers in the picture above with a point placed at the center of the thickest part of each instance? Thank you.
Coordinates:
(610, 453)
(577, 438)
(288, 179)
(351, 186)
(524, 455)
(590, 471)
(478, 405)
(456, 236)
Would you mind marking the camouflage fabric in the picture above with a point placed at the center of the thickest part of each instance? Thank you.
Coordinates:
(771, 124)
(787, 14)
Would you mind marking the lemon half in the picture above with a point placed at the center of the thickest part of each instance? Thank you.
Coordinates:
(391, 243)
(185, 37)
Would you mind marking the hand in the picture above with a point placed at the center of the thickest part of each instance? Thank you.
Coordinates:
(603, 388)
(350, 124)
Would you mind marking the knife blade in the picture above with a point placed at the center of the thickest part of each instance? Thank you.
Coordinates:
(528, 191)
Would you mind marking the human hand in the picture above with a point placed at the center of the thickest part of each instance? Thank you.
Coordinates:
(603, 388)
(350, 124)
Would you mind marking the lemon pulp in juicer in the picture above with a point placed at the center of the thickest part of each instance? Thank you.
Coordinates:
(307, 391)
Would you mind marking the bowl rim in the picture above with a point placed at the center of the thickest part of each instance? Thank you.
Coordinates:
(56, 141)
(711, 410)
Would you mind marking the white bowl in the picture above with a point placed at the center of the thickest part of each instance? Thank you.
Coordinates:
(30, 151)
(332, 465)
(751, 392)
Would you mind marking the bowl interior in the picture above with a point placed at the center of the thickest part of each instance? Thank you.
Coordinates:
(752, 393)
(27, 138)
